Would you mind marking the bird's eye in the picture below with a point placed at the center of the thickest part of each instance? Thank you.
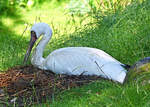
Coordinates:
(33, 34)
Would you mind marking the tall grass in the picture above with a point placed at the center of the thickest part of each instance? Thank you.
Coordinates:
(119, 27)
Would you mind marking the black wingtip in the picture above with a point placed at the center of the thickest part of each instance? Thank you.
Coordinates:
(126, 66)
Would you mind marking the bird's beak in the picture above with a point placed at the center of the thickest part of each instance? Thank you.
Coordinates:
(31, 44)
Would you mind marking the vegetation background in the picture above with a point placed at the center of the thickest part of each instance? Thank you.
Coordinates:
(119, 27)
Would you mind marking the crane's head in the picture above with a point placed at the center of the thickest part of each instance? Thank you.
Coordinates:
(37, 30)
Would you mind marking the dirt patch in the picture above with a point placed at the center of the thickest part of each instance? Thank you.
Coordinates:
(28, 85)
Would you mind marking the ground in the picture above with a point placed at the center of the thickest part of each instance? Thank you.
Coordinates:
(31, 85)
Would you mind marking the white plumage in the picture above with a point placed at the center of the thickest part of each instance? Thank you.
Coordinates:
(73, 60)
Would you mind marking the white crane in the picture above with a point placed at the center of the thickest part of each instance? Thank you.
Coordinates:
(73, 60)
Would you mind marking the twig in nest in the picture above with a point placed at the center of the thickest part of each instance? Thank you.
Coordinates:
(19, 92)
(84, 81)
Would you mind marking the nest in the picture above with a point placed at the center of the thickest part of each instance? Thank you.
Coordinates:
(28, 85)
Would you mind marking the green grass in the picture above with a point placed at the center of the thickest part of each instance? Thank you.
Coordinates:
(124, 33)
(103, 94)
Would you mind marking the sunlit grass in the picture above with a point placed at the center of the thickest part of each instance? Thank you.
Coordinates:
(18, 30)
(7, 21)
(13, 39)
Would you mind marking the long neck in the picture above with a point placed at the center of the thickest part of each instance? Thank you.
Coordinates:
(37, 57)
